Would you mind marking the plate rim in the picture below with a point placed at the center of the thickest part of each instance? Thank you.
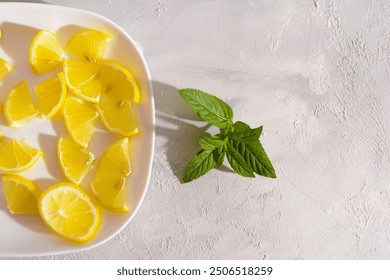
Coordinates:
(89, 246)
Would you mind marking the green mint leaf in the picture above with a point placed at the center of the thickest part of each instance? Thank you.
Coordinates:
(219, 156)
(256, 157)
(209, 143)
(253, 153)
(208, 107)
(237, 162)
(199, 165)
(246, 136)
(237, 141)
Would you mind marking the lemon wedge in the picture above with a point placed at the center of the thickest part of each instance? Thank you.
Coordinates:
(69, 211)
(115, 161)
(83, 79)
(74, 160)
(19, 108)
(112, 194)
(45, 53)
(80, 121)
(109, 181)
(51, 95)
(21, 194)
(17, 156)
(118, 117)
(90, 81)
(5, 67)
(88, 44)
(118, 82)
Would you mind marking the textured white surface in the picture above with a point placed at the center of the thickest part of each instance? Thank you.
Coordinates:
(315, 74)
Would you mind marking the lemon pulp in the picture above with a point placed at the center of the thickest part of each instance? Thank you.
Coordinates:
(113, 167)
(118, 117)
(69, 211)
(80, 121)
(92, 81)
(19, 108)
(45, 52)
(5, 67)
(51, 95)
(17, 156)
(74, 160)
(21, 194)
(88, 44)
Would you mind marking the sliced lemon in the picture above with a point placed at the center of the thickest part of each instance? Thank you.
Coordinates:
(83, 79)
(51, 95)
(74, 160)
(17, 156)
(112, 194)
(115, 161)
(118, 117)
(21, 194)
(88, 44)
(118, 82)
(90, 81)
(69, 212)
(5, 67)
(109, 181)
(45, 52)
(19, 108)
(80, 121)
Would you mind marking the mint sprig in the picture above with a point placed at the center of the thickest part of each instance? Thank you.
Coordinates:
(237, 141)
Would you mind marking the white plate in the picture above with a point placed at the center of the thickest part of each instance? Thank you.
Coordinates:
(27, 235)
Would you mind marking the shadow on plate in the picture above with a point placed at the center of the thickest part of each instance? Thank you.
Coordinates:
(45, 183)
(32, 222)
(3, 204)
(175, 122)
(15, 43)
(66, 32)
(16, 47)
(48, 144)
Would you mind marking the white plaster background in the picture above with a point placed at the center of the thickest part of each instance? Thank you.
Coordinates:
(316, 75)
